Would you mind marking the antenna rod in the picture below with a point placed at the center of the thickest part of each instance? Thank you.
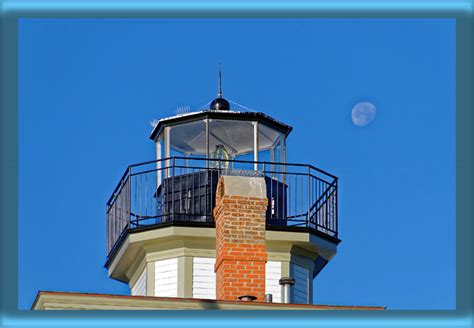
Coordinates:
(220, 82)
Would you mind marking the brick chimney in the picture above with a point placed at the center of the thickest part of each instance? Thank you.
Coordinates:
(241, 254)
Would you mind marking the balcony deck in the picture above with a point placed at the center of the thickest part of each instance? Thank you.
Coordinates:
(181, 191)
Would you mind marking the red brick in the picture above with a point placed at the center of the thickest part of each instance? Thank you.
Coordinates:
(240, 246)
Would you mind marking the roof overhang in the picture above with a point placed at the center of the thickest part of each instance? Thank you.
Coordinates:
(181, 240)
(223, 115)
(47, 300)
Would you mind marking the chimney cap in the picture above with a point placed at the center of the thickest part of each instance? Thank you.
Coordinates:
(286, 281)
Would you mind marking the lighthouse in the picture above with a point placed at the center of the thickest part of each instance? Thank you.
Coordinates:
(219, 214)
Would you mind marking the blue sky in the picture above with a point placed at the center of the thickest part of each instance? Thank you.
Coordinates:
(89, 88)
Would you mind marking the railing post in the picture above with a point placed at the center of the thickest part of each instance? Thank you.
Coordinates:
(172, 193)
(129, 203)
(309, 197)
(336, 212)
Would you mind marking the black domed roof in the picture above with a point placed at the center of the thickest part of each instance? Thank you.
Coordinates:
(219, 104)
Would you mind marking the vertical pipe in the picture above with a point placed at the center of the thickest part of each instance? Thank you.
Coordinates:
(255, 145)
(286, 294)
(268, 298)
(286, 283)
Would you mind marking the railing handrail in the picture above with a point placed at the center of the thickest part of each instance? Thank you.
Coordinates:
(173, 158)
(233, 160)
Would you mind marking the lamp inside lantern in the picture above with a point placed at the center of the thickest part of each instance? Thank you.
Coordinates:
(221, 156)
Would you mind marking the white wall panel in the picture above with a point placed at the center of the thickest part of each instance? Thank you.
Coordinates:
(272, 277)
(204, 278)
(166, 278)
(139, 289)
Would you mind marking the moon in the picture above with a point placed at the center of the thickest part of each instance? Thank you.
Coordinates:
(363, 113)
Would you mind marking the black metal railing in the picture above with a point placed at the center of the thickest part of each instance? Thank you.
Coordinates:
(181, 190)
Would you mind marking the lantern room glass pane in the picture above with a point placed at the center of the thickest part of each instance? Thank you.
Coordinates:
(189, 138)
(267, 137)
(236, 136)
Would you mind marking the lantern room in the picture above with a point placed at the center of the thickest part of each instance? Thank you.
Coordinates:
(222, 134)
(203, 145)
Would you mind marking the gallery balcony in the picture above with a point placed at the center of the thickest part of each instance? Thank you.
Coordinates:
(181, 191)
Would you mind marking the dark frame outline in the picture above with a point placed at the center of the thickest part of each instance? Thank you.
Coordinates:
(459, 10)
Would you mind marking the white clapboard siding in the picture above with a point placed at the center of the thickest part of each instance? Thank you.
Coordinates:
(139, 289)
(166, 278)
(272, 277)
(204, 278)
(301, 287)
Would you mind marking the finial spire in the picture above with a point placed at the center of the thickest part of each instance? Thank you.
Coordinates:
(220, 82)
(219, 103)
